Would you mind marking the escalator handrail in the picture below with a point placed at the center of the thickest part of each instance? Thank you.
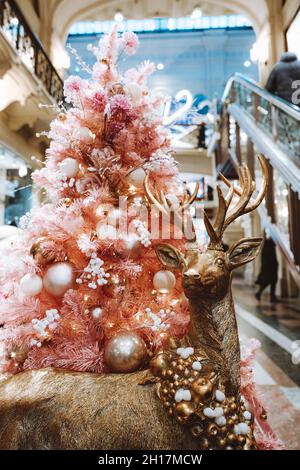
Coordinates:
(289, 108)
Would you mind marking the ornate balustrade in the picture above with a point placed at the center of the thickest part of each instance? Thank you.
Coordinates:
(278, 118)
(29, 50)
(270, 126)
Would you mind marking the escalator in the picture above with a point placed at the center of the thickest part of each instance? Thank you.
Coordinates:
(252, 121)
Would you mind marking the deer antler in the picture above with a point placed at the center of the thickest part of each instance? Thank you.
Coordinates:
(244, 205)
(160, 201)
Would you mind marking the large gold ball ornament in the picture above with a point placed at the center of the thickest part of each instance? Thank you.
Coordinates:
(164, 281)
(125, 352)
(59, 278)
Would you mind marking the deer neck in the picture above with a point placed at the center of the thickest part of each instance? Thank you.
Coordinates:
(213, 328)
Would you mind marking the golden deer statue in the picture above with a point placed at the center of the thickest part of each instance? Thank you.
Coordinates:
(189, 398)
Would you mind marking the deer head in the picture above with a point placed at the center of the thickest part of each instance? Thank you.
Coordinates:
(208, 273)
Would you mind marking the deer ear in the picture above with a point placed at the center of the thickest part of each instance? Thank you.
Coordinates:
(169, 256)
(243, 252)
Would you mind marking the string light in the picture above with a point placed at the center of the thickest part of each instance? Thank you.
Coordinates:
(119, 17)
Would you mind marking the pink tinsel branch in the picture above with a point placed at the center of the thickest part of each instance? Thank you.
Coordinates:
(266, 438)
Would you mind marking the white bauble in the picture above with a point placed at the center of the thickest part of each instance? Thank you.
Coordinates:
(114, 217)
(130, 240)
(84, 133)
(136, 177)
(58, 279)
(97, 313)
(106, 231)
(164, 281)
(69, 167)
(31, 284)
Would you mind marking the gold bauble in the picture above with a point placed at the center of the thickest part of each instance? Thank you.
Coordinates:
(116, 89)
(212, 429)
(125, 352)
(221, 442)
(204, 443)
(18, 354)
(62, 117)
(159, 363)
(202, 387)
(231, 438)
(185, 408)
(196, 430)
(40, 251)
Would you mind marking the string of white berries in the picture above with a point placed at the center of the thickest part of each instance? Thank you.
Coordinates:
(40, 326)
(94, 273)
(62, 181)
(159, 320)
(143, 234)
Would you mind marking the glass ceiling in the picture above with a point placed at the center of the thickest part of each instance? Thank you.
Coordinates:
(161, 24)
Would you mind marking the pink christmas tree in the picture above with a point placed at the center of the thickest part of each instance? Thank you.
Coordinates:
(84, 269)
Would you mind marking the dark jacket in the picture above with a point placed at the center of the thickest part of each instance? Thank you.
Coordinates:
(284, 73)
(269, 264)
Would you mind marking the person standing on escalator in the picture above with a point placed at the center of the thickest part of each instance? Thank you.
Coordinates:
(268, 275)
(283, 75)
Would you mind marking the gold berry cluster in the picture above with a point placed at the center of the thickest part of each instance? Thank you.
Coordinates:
(193, 392)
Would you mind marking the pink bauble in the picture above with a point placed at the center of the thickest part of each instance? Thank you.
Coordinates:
(58, 279)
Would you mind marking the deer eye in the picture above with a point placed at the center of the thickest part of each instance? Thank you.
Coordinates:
(220, 261)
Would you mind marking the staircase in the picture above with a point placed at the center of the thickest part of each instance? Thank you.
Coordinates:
(252, 121)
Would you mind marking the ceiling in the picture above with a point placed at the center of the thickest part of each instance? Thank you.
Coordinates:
(65, 13)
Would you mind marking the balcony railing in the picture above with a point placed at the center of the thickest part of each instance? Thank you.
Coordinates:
(278, 118)
(17, 32)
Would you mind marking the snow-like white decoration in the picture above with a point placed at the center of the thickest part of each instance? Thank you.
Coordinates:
(182, 394)
(220, 421)
(247, 415)
(185, 352)
(197, 365)
(160, 320)
(241, 428)
(220, 396)
(143, 234)
(94, 273)
(213, 413)
(49, 321)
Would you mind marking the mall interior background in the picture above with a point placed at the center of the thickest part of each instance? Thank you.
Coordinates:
(197, 46)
